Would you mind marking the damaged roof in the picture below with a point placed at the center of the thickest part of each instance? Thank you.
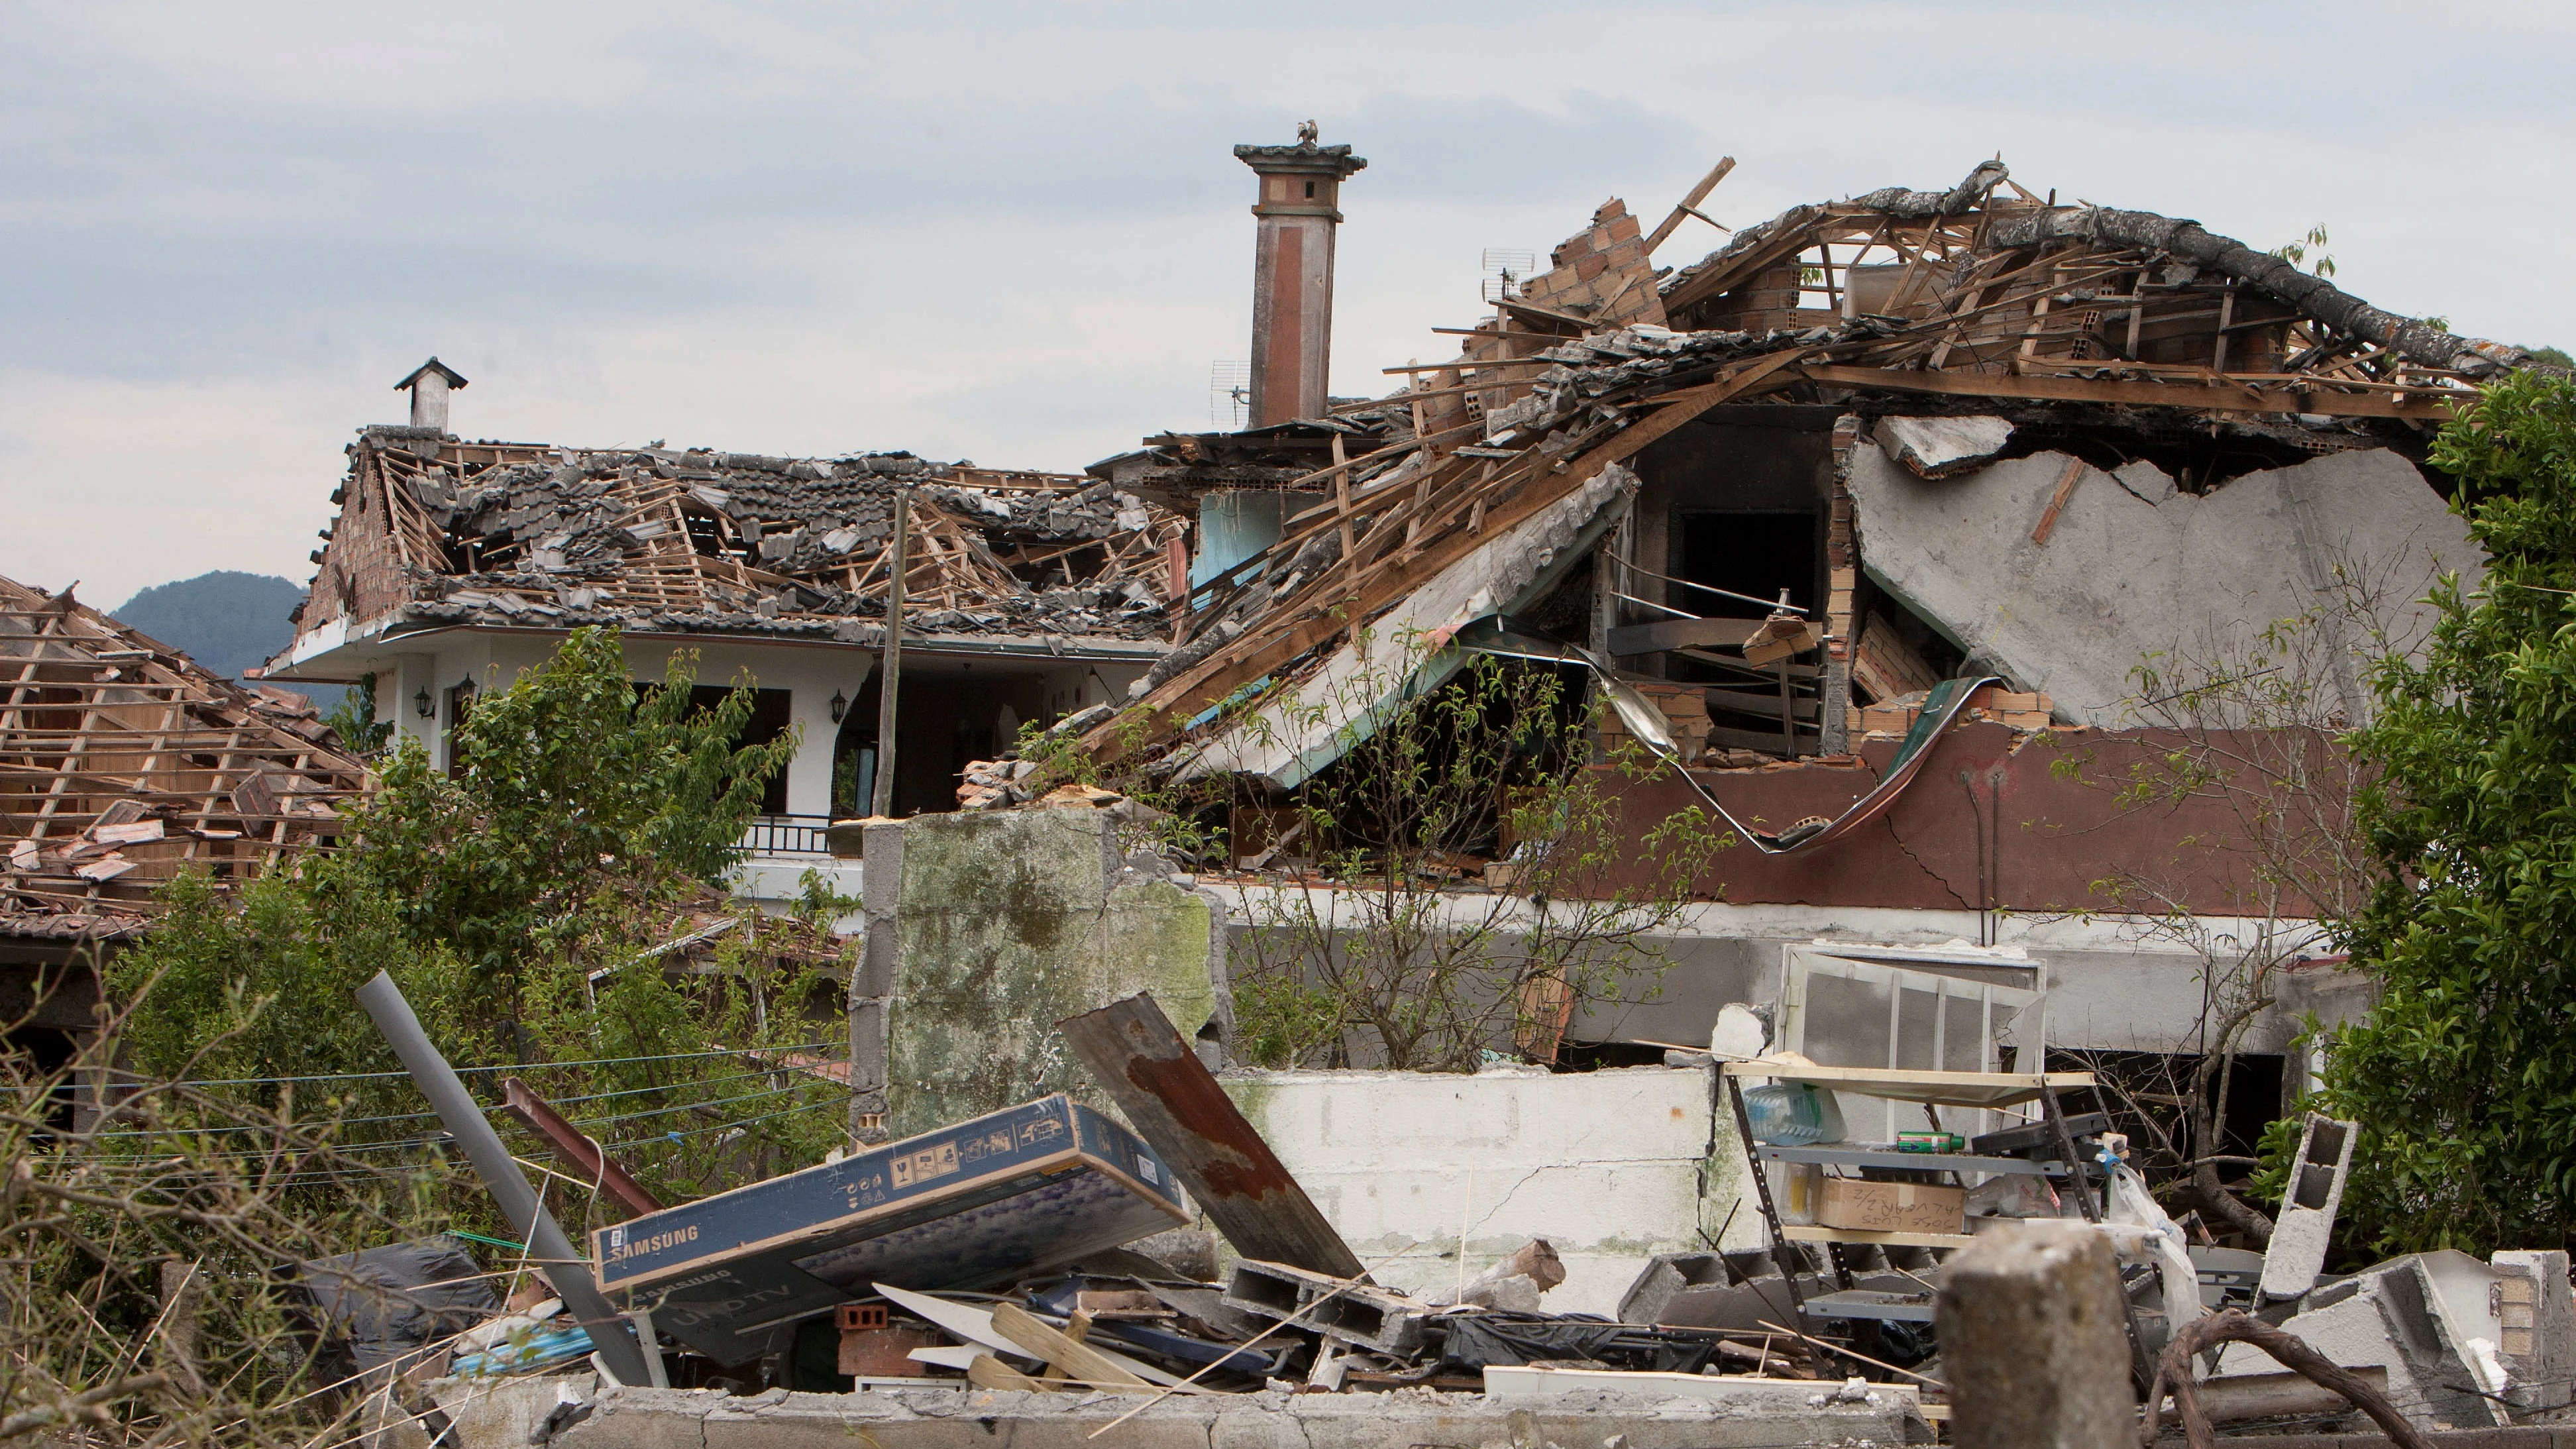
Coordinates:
(1980, 297)
(123, 763)
(437, 532)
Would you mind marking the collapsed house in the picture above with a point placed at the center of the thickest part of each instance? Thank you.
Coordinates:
(452, 565)
(1867, 521)
(123, 764)
(1784, 492)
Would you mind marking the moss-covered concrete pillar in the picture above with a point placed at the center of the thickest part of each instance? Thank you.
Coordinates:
(1007, 923)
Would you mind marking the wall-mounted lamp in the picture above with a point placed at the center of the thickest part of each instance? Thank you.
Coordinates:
(422, 704)
(838, 705)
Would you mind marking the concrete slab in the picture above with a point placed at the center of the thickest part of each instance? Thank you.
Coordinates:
(1611, 1167)
(974, 1419)
(1943, 447)
(2123, 574)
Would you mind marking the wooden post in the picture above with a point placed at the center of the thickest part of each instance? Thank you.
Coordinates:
(2031, 1327)
(1788, 714)
(883, 804)
(183, 1286)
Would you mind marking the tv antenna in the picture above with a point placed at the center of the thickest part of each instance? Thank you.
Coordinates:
(1229, 395)
(1505, 269)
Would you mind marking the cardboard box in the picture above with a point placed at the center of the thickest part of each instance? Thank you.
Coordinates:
(1890, 1207)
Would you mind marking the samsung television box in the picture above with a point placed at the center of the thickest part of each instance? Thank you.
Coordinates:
(969, 1206)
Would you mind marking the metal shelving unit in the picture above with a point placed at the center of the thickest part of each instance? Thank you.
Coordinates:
(1975, 1090)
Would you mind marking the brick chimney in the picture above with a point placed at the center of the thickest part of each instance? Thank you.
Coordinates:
(1292, 273)
(430, 383)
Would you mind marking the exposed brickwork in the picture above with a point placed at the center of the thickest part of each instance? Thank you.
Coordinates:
(1600, 273)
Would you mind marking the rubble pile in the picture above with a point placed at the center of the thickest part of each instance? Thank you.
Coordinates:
(704, 541)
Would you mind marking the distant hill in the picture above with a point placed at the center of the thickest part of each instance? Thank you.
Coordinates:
(226, 621)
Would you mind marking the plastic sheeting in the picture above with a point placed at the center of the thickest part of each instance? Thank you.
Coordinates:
(1476, 1340)
(389, 1304)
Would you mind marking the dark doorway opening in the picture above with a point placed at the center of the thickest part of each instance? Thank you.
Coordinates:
(43, 1051)
(769, 719)
(1758, 554)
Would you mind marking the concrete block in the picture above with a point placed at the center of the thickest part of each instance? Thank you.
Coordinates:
(1941, 447)
(2033, 1342)
(1368, 1317)
(2432, 1320)
(2297, 1252)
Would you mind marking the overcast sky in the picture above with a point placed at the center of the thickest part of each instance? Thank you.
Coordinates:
(1017, 234)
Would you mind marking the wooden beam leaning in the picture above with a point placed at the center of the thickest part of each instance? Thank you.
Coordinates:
(1689, 203)
(1217, 678)
(2234, 399)
(1136, 1055)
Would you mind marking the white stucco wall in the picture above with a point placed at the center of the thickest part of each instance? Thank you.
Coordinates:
(492, 660)
(1611, 1167)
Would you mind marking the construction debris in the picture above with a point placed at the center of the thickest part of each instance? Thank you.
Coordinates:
(966, 1206)
(122, 764)
(1898, 302)
(441, 532)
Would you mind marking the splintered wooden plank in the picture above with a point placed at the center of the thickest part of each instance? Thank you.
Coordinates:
(1075, 1360)
(1136, 1055)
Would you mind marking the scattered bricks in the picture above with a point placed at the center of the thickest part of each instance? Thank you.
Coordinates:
(1355, 1313)
(885, 1353)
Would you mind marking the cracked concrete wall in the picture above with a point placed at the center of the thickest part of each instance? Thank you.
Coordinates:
(1007, 922)
(1611, 1167)
(2133, 566)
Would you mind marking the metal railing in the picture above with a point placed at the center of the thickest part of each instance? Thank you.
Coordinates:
(787, 835)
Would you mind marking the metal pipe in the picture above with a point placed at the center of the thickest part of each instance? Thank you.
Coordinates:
(566, 1269)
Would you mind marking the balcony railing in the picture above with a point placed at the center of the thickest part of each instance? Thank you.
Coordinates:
(787, 835)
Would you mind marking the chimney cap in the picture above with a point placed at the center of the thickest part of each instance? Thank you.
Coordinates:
(454, 378)
(1306, 157)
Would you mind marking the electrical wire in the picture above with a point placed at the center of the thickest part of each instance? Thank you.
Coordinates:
(722, 1126)
(418, 1116)
(519, 1067)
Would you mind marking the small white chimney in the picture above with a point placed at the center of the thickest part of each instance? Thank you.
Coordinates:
(429, 384)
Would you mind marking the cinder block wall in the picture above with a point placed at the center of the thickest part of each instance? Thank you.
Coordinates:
(1611, 1167)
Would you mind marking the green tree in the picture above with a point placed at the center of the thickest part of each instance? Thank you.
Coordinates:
(527, 907)
(2464, 1077)
(353, 718)
(1373, 954)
